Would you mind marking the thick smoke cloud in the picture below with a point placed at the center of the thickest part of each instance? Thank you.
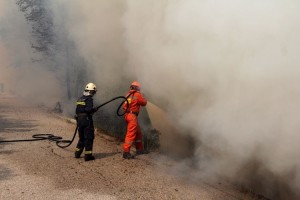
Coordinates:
(96, 30)
(226, 71)
(229, 72)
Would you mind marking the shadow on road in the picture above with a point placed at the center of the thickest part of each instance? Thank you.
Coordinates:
(10, 127)
(6, 152)
(5, 173)
(15, 126)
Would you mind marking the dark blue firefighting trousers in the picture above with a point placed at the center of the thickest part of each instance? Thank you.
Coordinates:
(86, 134)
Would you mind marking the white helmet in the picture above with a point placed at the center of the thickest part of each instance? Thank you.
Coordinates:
(91, 87)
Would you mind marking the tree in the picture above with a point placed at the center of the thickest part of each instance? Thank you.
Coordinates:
(37, 14)
(52, 42)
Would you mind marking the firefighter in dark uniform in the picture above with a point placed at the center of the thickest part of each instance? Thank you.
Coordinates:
(84, 115)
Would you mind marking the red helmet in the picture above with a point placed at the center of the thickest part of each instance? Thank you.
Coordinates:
(135, 85)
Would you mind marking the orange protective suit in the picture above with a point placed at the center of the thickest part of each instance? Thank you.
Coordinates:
(134, 133)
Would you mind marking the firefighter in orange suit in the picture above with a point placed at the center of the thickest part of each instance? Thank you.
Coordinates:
(134, 133)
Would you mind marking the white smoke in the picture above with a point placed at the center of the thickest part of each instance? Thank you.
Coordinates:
(229, 71)
(96, 30)
(226, 71)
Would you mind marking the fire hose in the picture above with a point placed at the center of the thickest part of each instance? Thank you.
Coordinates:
(58, 139)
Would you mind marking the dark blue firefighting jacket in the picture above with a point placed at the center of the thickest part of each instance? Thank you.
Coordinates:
(85, 105)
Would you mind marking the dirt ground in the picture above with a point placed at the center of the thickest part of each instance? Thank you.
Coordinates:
(41, 170)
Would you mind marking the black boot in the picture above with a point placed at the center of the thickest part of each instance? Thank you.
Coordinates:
(78, 153)
(140, 152)
(127, 155)
(88, 157)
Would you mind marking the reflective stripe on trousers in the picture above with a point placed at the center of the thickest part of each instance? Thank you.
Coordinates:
(88, 152)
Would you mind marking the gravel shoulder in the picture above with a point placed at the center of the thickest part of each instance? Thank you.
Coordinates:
(41, 170)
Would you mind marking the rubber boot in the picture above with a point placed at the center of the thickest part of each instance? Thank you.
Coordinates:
(78, 153)
(88, 157)
(127, 155)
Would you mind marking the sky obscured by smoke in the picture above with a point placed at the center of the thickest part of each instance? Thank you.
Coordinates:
(226, 71)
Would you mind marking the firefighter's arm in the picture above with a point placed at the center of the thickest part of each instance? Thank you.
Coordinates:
(89, 109)
(125, 106)
(141, 100)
